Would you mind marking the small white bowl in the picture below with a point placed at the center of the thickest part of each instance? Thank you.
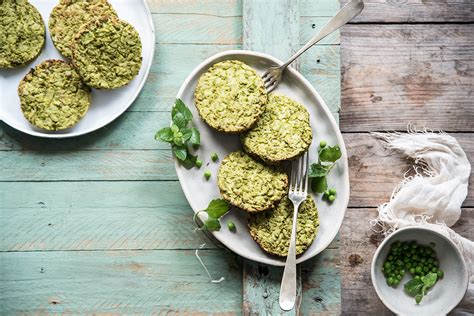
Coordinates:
(443, 296)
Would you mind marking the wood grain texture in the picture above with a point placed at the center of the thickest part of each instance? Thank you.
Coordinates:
(221, 8)
(358, 295)
(390, 11)
(96, 216)
(394, 75)
(119, 282)
(375, 171)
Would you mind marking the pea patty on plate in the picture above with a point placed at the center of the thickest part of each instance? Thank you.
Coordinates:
(282, 133)
(107, 53)
(249, 184)
(272, 229)
(69, 16)
(22, 33)
(230, 97)
(53, 96)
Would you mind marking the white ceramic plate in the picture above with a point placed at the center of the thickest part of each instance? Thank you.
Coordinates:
(199, 192)
(106, 105)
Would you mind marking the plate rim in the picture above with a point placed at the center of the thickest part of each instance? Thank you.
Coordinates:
(111, 119)
(344, 159)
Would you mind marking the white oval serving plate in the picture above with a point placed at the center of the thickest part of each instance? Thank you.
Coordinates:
(199, 192)
(106, 105)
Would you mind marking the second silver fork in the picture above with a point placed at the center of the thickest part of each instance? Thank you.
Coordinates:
(297, 193)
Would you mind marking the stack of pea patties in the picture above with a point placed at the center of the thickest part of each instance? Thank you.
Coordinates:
(231, 98)
(105, 53)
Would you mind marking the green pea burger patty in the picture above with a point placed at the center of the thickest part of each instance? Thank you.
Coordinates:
(272, 229)
(249, 184)
(22, 33)
(282, 133)
(107, 53)
(230, 97)
(53, 96)
(69, 16)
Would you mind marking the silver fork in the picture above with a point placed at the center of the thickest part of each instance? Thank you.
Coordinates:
(297, 193)
(272, 76)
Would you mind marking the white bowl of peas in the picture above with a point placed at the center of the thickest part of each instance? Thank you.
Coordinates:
(419, 271)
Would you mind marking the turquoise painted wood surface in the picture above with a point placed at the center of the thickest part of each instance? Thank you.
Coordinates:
(98, 224)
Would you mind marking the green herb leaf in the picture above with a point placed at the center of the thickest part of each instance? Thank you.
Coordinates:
(190, 161)
(319, 184)
(418, 298)
(195, 138)
(217, 208)
(413, 287)
(429, 280)
(180, 152)
(180, 107)
(179, 120)
(317, 170)
(174, 128)
(212, 224)
(164, 135)
(187, 133)
(330, 154)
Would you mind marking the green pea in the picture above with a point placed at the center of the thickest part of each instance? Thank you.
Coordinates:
(430, 260)
(332, 191)
(423, 260)
(408, 265)
(440, 274)
(418, 269)
(214, 157)
(390, 281)
(231, 225)
(207, 174)
(332, 198)
(434, 269)
(387, 265)
(435, 263)
(390, 257)
(198, 163)
(322, 144)
(412, 270)
(417, 277)
(396, 282)
(426, 269)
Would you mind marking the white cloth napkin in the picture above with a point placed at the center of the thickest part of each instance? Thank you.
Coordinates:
(433, 196)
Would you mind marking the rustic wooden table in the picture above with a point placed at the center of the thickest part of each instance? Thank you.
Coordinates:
(99, 224)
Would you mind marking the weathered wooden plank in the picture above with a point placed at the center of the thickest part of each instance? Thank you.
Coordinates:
(310, 25)
(318, 8)
(419, 74)
(321, 286)
(358, 295)
(119, 282)
(205, 7)
(96, 216)
(374, 171)
(197, 29)
(415, 11)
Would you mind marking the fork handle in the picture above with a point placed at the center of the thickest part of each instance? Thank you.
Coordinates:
(288, 283)
(347, 13)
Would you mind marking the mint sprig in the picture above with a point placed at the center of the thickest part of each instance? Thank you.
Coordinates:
(417, 288)
(180, 135)
(215, 210)
(327, 157)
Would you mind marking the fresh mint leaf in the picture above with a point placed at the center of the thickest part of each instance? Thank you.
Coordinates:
(180, 107)
(317, 170)
(319, 184)
(217, 208)
(429, 280)
(212, 224)
(174, 128)
(164, 135)
(180, 152)
(414, 287)
(179, 120)
(330, 154)
(195, 138)
(190, 161)
(187, 133)
(418, 298)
